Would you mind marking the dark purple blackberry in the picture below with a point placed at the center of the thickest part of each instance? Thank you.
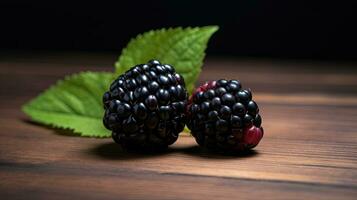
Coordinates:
(145, 106)
(222, 115)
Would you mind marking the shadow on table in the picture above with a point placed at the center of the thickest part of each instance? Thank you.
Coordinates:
(113, 151)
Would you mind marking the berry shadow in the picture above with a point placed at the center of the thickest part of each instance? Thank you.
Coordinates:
(113, 151)
(110, 151)
(201, 152)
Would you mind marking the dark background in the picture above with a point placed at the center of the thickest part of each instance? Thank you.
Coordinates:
(278, 29)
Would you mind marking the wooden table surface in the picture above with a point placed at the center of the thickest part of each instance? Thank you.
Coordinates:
(309, 150)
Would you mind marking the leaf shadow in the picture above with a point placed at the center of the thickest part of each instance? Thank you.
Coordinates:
(57, 131)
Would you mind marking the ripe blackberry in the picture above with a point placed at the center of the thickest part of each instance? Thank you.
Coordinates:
(145, 106)
(222, 115)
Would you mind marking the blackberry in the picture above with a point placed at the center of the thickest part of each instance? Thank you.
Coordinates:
(145, 106)
(221, 115)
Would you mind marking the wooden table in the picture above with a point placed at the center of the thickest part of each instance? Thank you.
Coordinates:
(309, 150)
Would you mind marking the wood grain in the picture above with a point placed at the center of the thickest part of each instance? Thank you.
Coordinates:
(308, 152)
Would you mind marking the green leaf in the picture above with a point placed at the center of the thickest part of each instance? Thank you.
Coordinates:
(182, 48)
(74, 103)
